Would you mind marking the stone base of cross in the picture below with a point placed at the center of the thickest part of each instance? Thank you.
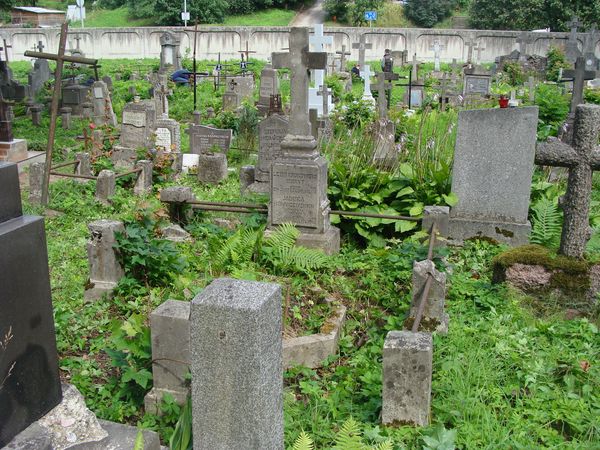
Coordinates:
(582, 158)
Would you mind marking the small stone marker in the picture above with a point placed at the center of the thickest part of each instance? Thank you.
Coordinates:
(269, 85)
(65, 116)
(237, 374)
(105, 269)
(29, 379)
(492, 171)
(581, 159)
(143, 183)
(212, 167)
(36, 115)
(170, 329)
(434, 313)
(271, 132)
(407, 371)
(105, 186)
(103, 113)
(36, 180)
(74, 96)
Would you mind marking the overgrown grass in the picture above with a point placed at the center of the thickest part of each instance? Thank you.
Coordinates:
(273, 17)
(111, 18)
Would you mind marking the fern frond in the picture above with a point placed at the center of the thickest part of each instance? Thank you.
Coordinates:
(387, 445)
(283, 237)
(300, 258)
(546, 223)
(349, 437)
(303, 442)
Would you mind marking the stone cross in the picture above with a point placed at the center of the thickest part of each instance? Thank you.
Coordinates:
(581, 159)
(332, 66)
(573, 25)
(531, 88)
(479, 47)
(318, 41)
(436, 48)
(325, 93)
(524, 40)
(415, 67)
(362, 46)
(579, 76)
(343, 55)
(299, 60)
(383, 84)
(470, 45)
(40, 46)
(365, 74)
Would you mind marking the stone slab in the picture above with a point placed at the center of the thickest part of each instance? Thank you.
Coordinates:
(329, 241)
(493, 164)
(29, 365)
(514, 234)
(13, 151)
(237, 379)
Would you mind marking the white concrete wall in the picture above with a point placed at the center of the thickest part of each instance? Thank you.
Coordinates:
(143, 42)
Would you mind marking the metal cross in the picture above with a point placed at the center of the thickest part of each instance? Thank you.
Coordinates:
(246, 52)
(579, 76)
(332, 66)
(60, 59)
(299, 60)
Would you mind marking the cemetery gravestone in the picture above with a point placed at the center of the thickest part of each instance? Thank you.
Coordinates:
(11, 149)
(572, 51)
(29, 380)
(204, 138)
(38, 76)
(103, 113)
(271, 132)
(74, 96)
(269, 85)
(477, 84)
(138, 123)
(170, 56)
(492, 171)
(317, 42)
(299, 177)
(237, 367)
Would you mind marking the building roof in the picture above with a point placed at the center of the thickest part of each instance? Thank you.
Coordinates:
(36, 10)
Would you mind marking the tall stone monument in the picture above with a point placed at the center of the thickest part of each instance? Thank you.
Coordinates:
(29, 381)
(299, 176)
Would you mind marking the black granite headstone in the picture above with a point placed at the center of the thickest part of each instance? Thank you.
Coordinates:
(29, 380)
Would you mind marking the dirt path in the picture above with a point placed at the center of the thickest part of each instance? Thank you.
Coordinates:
(311, 16)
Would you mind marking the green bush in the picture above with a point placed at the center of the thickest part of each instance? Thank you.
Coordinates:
(426, 13)
(556, 61)
(554, 108)
(515, 73)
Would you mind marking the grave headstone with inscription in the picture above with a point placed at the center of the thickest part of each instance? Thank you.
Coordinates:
(74, 96)
(137, 131)
(29, 379)
(271, 131)
(203, 139)
(170, 56)
(299, 177)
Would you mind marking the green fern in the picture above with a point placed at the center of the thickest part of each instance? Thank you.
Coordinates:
(304, 442)
(349, 437)
(387, 445)
(239, 249)
(546, 223)
(284, 236)
(281, 251)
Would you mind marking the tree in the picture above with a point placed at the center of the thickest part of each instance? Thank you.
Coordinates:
(426, 13)
(168, 12)
(357, 9)
(531, 14)
(337, 9)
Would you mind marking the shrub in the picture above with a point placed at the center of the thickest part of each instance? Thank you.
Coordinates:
(426, 13)
(556, 61)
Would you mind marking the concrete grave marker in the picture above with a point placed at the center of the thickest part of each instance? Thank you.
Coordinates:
(271, 132)
(492, 171)
(103, 113)
(237, 373)
(204, 138)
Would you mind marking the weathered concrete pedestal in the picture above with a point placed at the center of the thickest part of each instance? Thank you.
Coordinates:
(407, 370)
(13, 151)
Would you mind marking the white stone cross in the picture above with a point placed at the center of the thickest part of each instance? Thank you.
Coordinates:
(318, 41)
(299, 60)
(325, 93)
(437, 48)
(365, 74)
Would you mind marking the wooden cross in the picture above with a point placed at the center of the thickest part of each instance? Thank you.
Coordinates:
(60, 59)
(325, 93)
(581, 159)
(6, 47)
(579, 76)
(343, 55)
(362, 46)
(299, 60)
(524, 40)
(383, 85)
